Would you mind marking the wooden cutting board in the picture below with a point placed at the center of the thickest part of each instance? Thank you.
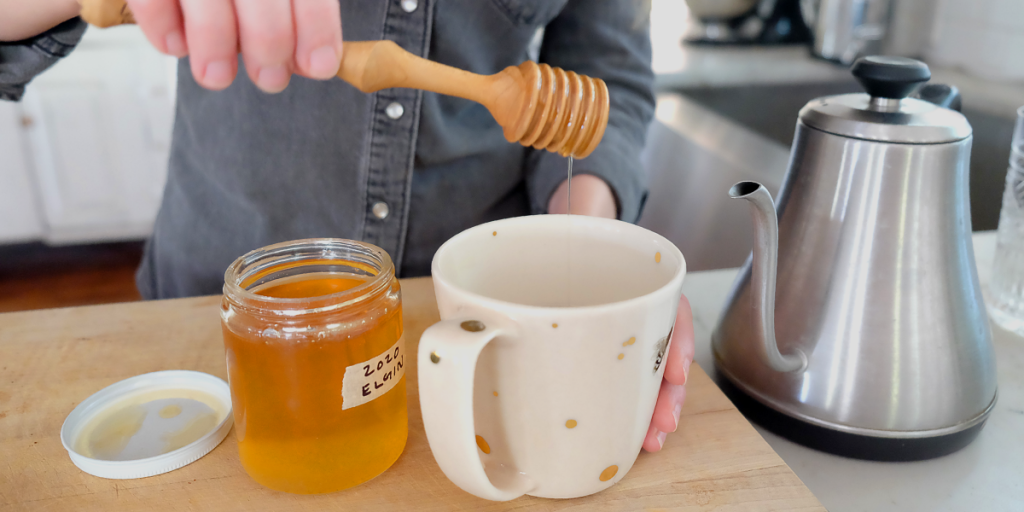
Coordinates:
(51, 360)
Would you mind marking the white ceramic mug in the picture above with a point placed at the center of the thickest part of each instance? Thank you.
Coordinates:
(542, 375)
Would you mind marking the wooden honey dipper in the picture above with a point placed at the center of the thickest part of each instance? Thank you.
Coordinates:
(535, 104)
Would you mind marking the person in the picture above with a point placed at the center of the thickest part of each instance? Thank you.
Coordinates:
(291, 153)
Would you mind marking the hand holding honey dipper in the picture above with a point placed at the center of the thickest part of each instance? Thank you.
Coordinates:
(535, 104)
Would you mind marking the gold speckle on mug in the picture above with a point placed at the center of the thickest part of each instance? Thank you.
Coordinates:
(486, 448)
(608, 473)
(657, 257)
(630, 342)
(495, 393)
(621, 356)
(570, 424)
(494, 233)
(434, 358)
(554, 326)
(473, 326)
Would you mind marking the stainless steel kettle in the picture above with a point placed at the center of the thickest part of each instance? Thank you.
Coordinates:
(869, 338)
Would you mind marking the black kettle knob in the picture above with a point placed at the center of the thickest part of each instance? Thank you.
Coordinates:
(890, 77)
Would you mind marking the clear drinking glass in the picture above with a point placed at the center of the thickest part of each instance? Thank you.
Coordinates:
(1006, 289)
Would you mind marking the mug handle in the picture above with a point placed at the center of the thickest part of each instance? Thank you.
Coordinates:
(446, 363)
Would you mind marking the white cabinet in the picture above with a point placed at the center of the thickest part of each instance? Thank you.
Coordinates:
(97, 127)
(19, 210)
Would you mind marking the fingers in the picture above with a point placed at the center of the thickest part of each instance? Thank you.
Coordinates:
(677, 368)
(212, 35)
(654, 440)
(267, 37)
(668, 407)
(666, 415)
(318, 43)
(160, 21)
(276, 38)
(680, 353)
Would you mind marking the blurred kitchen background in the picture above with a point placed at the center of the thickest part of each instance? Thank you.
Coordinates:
(83, 157)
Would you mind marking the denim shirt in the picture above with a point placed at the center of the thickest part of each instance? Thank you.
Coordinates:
(402, 169)
(22, 60)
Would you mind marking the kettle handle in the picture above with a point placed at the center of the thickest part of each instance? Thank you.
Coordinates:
(946, 96)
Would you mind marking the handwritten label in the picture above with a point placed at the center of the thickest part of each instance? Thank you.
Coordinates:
(369, 380)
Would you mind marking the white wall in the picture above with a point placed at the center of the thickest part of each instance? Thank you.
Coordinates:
(982, 37)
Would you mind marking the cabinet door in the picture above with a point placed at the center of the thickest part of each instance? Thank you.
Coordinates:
(100, 138)
(19, 212)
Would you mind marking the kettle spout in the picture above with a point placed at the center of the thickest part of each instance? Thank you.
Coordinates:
(762, 278)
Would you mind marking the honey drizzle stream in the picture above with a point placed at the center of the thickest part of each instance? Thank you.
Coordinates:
(568, 191)
(568, 237)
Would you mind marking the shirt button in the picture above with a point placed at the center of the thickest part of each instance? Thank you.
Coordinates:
(394, 110)
(409, 5)
(381, 210)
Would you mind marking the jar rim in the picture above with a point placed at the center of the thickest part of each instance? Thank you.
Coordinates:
(247, 266)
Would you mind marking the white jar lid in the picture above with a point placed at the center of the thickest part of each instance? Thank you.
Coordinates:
(148, 424)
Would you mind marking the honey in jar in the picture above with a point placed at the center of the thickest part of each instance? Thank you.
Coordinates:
(316, 363)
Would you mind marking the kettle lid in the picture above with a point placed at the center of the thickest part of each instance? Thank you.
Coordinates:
(885, 113)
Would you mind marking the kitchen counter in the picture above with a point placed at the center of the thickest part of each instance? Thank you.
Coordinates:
(696, 67)
(987, 475)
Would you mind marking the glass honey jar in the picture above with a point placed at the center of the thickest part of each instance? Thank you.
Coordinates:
(316, 363)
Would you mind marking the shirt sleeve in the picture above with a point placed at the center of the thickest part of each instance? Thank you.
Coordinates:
(609, 40)
(21, 61)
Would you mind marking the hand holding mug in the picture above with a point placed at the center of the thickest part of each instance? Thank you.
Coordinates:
(543, 374)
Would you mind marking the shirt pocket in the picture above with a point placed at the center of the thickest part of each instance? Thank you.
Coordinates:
(530, 12)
